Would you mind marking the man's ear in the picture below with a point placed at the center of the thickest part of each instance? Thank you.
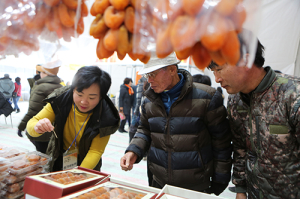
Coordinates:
(173, 69)
(244, 60)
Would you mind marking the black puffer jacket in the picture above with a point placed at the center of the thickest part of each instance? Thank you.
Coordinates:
(5, 107)
(103, 122)
(42, 89)
(189, 146)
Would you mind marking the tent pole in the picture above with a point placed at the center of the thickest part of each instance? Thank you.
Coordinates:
(297, 63)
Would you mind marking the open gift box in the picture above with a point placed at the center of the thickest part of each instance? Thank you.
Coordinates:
(116, 189)
(172, 192)
(61, 183)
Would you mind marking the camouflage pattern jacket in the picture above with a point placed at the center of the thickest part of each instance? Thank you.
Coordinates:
(266, 136)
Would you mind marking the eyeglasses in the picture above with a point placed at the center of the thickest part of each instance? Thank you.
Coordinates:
(152, 74)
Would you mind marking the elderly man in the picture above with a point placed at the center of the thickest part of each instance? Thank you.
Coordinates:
(184, 127)
(264, 116)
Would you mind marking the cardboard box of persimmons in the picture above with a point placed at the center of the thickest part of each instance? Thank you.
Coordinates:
(61, 183)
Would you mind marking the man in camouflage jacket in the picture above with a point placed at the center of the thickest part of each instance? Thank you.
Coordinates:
(264, 118)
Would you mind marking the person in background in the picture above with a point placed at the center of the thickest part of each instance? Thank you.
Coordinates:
(264, 114)
(7, 87)
(203, 79)
(126, 103)
(18, 94)
(48, 82)
(31, 81)
(5, 106)
(184, 129)
(136, 113)
(83, 118)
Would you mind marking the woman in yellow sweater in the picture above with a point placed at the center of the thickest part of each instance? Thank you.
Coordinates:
(81, 117)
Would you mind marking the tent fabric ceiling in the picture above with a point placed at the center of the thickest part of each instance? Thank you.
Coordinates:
(279, 32)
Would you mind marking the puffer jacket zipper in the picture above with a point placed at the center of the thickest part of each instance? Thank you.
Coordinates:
(168, 141)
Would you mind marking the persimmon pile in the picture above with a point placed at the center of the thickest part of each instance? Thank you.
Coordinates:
(25, 20)
(204, 30)
(114, 29)
(104, 193)
(66, 177)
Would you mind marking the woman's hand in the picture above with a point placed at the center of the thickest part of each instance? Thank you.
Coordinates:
(43, 125)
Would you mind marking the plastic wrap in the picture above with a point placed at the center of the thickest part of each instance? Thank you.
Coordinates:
(206, 30)
(28, 163)
(10, 153)
(24, 22)
(4, 165)
(15, 187)
(111, 190)
(2, 193)
(113, 26)
(11, 179)
(2, 184)
(14, 195)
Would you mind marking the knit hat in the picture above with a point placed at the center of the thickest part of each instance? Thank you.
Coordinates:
(6, 75)
(51, 68)
(156, 63)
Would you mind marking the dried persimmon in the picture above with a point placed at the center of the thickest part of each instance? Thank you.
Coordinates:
(113, 18)
(200, 56)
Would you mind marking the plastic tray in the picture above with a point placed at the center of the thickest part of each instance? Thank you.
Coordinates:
(2, 185)
(3, 175)
(2, 160)
(17, 194)
(2, 193)
(12, 152)
(30, 165)
(12, 188)
(4, 165)
(10, 179)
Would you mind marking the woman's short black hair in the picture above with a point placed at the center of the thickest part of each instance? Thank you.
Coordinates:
(203, 79)
(18, 79)
(127, 80)
(88, 75)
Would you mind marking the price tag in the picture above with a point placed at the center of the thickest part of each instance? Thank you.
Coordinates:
(70, 159)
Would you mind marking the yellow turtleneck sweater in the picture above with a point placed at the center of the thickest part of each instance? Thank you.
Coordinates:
(98, 144)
